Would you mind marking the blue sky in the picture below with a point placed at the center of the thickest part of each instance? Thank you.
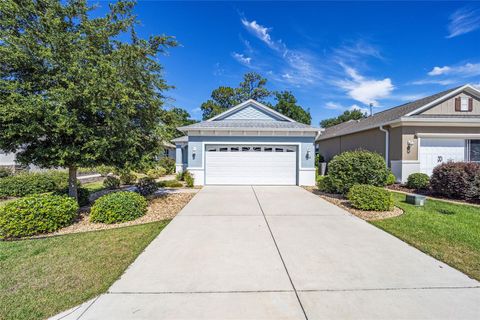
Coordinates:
(332, 55)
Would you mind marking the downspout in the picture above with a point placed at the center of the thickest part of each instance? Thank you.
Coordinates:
(387, 140)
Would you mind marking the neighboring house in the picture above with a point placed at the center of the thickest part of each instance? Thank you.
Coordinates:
(168, 150)
(249, 144)
(7, 160)
(417, 136)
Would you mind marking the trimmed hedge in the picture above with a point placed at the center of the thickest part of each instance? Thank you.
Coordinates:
(418, 181)
(169, 184)
(391, 179)
(189, 180)
(168, 164)
(24, 184)
(156, 172)
(128, 178)
(357, 167)
(146, 186)
(118, 207)
(5, 172)
(36, 214)
(111, 182)
(325, 184)
(370, 198)
(458, 180)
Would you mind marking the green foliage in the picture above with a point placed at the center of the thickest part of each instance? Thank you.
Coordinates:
(146, 186)
(127, 177)
(391, 179)
(348, 115)
(418, 181)
(111, 183)
(172, 119)
(223, 98)
(118, 207)
(189, 180)
(104, 170)
(287, 105)
(357, 167)
(78, 89)
(458, 180)
(36, 214)
(325, 184)
(31, 183)
(169, 184)
(5, 172)
(156, 172)
(83, 195)
(370, 198)
(180, 176)
(168, 164)
(319, 158)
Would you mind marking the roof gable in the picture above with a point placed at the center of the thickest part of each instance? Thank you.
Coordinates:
(251, 110)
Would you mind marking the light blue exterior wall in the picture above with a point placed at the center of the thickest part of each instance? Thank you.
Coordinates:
(197, 142)
(250, 113)
(178, 154)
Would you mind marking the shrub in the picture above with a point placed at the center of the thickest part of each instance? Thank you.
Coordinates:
(82, 193)
(5, 172)
(181, 176)
(168, 164)
(357, 167)
(118, 207)
(128, 178)
(24, 184)
(391, 179)
(460, 180)
(370, 198)
(36, 214)
(111, 182)
(169, 184)
(156, 172)
(324, 184)
(146, 186)
(189, 180)
(418, 181)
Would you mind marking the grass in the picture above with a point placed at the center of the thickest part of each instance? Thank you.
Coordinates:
(42, 277)
(446, 231)
(94, 186)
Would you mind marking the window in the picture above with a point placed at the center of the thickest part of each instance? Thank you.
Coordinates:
(278, 149)
(474, 150)
(257, 149)
(290, 150)
(463, 104)
(223, 149)
(234, 149)
(212, 149)
(245, 149)
(267, 149)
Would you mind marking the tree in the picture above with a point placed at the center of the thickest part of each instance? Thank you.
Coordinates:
(172, 119)
(223, 98)
(72, 93)
(287, 105)
(354, 114)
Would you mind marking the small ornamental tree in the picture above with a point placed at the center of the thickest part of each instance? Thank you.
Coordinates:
(72, 93)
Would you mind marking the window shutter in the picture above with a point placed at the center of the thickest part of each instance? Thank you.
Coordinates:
(457, 104)
(470, 104)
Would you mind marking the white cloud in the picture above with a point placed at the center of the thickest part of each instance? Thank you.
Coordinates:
(240, 57)
(354, 50)
(365, 90)
(356, 107)
(261, 33)
(464, 20)
(337, 106)
(465, 70)
(442, 82)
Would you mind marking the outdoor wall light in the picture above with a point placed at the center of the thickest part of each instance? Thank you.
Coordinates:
(194, 151)
(410, 144)
(308, 153)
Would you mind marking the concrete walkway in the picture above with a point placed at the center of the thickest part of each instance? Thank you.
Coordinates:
(281, 253)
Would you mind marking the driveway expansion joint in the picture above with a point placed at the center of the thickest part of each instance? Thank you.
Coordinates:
(388, 289)
(199, 292)
(280, 254)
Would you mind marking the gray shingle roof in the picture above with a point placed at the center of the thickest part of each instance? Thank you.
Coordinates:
(379, 118)
(180, 139)
(248, 124)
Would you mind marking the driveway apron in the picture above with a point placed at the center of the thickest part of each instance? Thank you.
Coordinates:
(242, 252)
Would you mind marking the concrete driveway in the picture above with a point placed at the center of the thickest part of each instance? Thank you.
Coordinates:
(281, 253)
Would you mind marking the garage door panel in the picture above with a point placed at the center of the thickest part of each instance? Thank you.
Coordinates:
(251, 167)
(434, 151)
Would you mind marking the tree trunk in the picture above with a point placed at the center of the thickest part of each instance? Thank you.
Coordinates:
(72, 182)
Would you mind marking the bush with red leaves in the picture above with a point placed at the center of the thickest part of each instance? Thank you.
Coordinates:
(460, 180)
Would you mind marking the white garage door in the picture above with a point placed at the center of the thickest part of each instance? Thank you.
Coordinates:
(251, 165)
(436, 151)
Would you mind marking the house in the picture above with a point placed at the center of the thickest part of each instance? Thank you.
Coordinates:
(249, 144)
(417, 136)
(169, 150)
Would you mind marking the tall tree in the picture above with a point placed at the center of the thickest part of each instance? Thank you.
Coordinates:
(172, 119)
(287, 105)
(72, 93)
(223, 98)
(354, 114)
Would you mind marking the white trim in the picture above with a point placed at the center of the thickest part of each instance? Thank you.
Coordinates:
(448, 95)
(449, 135)
(246, 103)
(387, 144)
(405, 161)
(241, 130)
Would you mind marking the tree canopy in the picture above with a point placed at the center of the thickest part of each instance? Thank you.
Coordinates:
(253, 86)
(72, 93)
(172, 119)
(354, 114)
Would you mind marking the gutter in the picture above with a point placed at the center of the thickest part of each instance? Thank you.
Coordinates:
(387, 140)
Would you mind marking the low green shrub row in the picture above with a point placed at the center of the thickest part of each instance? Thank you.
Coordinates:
(370, 198)
(168, 164)
(111, 183)
(36, 214)
(24, 184)
(118, 207)
(156, 172)
(418, 181)
(5, 172)
(169, 184)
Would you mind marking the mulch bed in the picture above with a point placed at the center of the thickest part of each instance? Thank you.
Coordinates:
(343, 203)
(402, 188)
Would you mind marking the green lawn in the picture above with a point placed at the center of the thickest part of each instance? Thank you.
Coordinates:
(94, 186)
(42, 277)
(448, 232)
